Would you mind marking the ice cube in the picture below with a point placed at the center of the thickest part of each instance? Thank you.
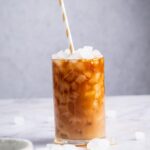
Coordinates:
(74, 95)
(80, 66)
(19, 120)
(75, 120)
(97, 54)
(67, 51)
(95, 78)
(69, 147)
(139, 135)
(111, 114)
(88, 74)
(71, 76)
(57, 55)
(98, 144)
(88, 47)
(86, 53)
(54, 147)
(54, 56)
(60, 55)
(74, 55)
(81, 78)
(74, 86)
(97, 87)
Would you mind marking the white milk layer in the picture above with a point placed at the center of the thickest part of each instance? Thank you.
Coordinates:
(87, 52)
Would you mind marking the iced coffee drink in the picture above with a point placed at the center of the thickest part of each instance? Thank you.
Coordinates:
(78, 81)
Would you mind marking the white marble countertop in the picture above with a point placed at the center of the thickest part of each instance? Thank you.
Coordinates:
(133, 114)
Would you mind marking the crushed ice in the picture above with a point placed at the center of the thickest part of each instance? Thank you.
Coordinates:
(87, 52)
(98, 144)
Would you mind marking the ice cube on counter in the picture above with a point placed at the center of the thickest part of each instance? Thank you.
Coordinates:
(140, 136)
(98, 144)
(19, 120)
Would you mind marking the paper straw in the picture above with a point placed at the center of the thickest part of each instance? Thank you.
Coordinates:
(65, 19)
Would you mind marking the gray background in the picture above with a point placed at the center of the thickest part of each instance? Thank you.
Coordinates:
(31, 30)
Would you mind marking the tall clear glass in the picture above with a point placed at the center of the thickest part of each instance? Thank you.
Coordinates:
(78, 100)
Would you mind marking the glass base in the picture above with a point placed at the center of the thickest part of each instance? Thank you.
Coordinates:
(81, 143)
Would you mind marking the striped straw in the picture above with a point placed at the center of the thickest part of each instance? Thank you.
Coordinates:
(65, 19)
